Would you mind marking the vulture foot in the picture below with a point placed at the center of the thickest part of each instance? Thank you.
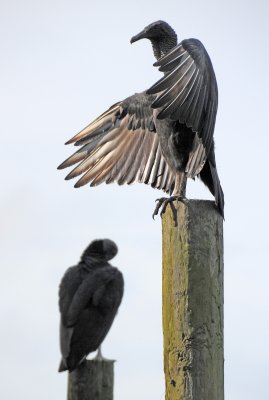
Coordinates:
(163, 203)
(99, 356)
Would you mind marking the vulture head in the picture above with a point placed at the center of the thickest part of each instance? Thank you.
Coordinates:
(163, 38)
(104, 249)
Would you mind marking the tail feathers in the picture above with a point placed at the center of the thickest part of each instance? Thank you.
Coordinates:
(70, 365)
(210, 178)
(62, 366)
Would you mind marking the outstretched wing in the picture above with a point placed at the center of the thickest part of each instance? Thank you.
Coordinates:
(188, 93)
(121, 146)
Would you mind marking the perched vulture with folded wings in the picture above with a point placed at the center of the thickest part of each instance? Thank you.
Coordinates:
(89, 297)
(161, 136)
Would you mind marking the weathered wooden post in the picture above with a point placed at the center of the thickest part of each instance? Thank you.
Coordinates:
(92, 380)
(193, 302)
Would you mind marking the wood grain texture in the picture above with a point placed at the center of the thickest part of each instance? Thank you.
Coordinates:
(193, 302)
(92, 380)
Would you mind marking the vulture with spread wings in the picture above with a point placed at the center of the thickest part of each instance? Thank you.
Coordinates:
(161, 136)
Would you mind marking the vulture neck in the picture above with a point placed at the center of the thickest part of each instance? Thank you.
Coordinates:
(163, 45)
(90, 263)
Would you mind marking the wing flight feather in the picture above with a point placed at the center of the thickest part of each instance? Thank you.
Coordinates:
(121, 146)
(188, 93)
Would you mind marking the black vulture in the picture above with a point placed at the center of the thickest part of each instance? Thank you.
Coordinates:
(89, 296)
(161, 136)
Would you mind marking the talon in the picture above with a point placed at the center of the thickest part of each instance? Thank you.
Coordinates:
(164, 208)
(158, 205)
(163, 202)
(162, 199)
(174, 212)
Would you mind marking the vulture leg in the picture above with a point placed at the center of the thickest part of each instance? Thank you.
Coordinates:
(99, 355)
(180, 195)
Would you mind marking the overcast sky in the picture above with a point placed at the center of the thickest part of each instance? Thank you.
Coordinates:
(62, 64)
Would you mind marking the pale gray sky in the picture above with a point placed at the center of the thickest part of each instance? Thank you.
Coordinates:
(62, 64)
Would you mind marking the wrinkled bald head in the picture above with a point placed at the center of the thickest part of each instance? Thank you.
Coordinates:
(105, 249)
(157, 30)
(163, 38)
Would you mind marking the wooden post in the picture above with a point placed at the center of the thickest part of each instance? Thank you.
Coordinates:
(193, 302)
(92, 380)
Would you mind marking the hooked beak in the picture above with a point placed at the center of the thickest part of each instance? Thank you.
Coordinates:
(141, 35)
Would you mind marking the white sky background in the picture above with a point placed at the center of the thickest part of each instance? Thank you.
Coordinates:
(62, 63)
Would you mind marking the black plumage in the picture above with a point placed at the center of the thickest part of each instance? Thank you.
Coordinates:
(89, 296)
(161, 136)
